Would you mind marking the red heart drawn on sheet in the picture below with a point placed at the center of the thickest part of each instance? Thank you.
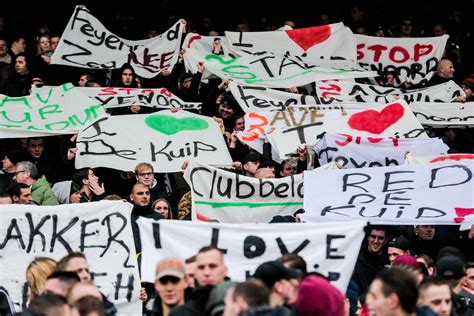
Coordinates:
(308, 37)
(376, 122)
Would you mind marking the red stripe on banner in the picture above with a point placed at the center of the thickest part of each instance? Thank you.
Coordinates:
(456, 157)
(202, 217)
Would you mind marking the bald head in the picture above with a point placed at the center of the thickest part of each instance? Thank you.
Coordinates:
(445, 68)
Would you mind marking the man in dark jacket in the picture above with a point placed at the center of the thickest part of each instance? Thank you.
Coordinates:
(170, 285)
(372, 258)
(210, 271)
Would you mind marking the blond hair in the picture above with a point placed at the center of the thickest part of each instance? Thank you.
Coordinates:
(141, 166)
(37, 273)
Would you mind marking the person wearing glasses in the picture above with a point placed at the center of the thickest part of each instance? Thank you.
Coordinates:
(41, 192)
(373, 257)
(145, 175)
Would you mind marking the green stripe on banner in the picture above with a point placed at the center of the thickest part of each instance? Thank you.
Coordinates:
(247, 204)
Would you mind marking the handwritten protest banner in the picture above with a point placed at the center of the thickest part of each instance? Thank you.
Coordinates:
(269, 70)
(101, 230)
(60, 110)
(234, 198)
(350, 91)
(411, 159)
(336, 91)
(330, 248)
(360, 152)
(414, 60)
(444, 114)
(256, 99)
(204, 43)
(164, 139)
(257, 124)
(112, 97)
(444, 92)
(311, 45)
(435, 194)
(394, 120)
(87, 43)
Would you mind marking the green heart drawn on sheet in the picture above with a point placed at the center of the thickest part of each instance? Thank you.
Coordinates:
(170, 125)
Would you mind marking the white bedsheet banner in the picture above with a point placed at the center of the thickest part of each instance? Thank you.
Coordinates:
(336, 91)
(311, 45)
(329, 248)
(435, 194)
(54, 111)
(413, 59)
(255, 99)
(87, 43)
(101, 230)
(164, 139)
(393, 120)
(359, 152)
(270, 70)
(234, 198)
(444, 114)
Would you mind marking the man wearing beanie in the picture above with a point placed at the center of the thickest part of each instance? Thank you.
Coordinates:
(451, 269)
(468, 86)
(8, 169)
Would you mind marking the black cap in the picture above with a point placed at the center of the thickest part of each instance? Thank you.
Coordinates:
(271, 272)
(251, 157)
(450, 267)
(400, 242)
(230, 101)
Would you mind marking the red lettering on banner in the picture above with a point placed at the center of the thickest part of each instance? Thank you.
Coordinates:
(257, 127)
(165, 92)
(108, 91)
(461, 213)
(377, 51)
(399, 49)
(396, 54)
(360, 54)
(347, 141)
(374, 140)
(192, 39)
(128, 90)
(422, 50)
(331, 87)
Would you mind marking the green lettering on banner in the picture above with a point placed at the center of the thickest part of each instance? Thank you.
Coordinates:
(90, 115)
(296, 75)
(38, 96)
(27, 117)
(19, 99)
(247, 204)
(10, 126)
(49, 109)
(251, 75)
(51, 126)
(67, 86)
(220, 59)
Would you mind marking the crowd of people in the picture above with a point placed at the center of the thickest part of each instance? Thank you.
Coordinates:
(400, 270)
